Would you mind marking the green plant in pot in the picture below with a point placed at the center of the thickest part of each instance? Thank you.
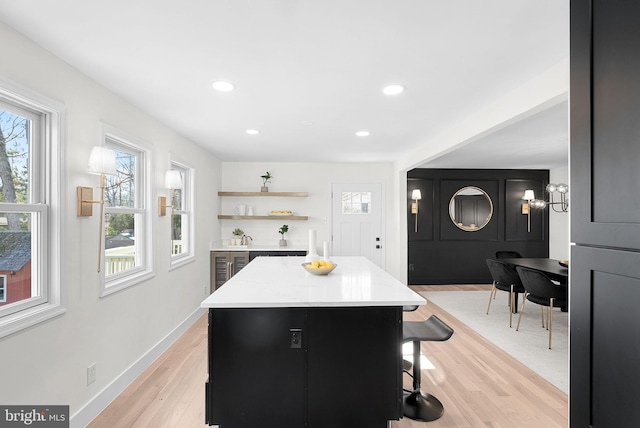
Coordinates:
(237, 236)
(266, 179)
(284, 229)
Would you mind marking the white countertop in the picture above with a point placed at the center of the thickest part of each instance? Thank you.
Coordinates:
(282, 282)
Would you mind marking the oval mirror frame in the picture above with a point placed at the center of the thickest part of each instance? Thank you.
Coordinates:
(476, 218)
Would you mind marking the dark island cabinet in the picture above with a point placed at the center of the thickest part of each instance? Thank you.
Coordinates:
(337, 367)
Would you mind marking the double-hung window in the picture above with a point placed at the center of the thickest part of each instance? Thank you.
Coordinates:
(182, 234)
(127, 240)
(30, 183)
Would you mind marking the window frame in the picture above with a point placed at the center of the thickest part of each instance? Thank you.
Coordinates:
(187, 210)
(114, 138)
(46, 193)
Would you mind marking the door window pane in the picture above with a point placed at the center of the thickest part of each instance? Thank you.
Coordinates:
(356, 202)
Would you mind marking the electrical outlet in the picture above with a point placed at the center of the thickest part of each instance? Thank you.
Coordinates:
(295, 338)
(91, 374)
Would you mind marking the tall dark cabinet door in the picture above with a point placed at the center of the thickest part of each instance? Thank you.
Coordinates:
(254, 371)
(605, 123)
(605, 219)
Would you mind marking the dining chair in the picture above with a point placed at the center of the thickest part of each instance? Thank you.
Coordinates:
(505, 278)
(507, 254)
(541, 290)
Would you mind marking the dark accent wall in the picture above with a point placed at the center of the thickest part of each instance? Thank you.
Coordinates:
(442, 253)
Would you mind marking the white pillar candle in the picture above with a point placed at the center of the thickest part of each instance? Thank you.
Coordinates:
(325, 250)
(313, 251)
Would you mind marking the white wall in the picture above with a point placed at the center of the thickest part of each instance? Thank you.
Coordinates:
(315, 178)
(47, 363)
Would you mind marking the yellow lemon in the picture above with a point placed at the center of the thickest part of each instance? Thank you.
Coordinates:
(315, 264)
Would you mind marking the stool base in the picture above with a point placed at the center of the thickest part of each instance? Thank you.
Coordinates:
(421, 407)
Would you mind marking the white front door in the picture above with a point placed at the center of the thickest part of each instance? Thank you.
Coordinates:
(357, 216)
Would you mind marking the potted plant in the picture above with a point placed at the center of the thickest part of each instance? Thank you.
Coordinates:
(237, 236)
(266, 178)
(284, 229)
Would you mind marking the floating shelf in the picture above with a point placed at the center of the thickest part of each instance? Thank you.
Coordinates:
(262, 217)
(288, 194)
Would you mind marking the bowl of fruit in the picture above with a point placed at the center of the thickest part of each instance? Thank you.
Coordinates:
(319, 267)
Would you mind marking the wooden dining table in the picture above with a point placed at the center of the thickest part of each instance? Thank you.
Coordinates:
(551, 267)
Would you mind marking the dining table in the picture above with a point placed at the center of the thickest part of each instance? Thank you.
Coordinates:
(556, 270)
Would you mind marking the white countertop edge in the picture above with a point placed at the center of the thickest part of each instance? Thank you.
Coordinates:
(250, 305)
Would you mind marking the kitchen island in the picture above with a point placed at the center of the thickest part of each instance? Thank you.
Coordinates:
(291, 349)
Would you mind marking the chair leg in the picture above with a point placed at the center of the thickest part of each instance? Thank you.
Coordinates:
(417, 405)
(492, 295)
(511, 303)
(524, 299)
(542, 315)
(550, 320)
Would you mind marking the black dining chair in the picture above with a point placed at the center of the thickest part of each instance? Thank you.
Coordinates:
(541, 290)
(506, 254)
(505, 278)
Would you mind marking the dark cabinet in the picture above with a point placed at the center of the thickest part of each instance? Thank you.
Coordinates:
(276, 253)
(337, 367)
(225, 264)
(605, 220)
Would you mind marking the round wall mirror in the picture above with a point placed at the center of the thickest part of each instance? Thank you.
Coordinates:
(470, 208)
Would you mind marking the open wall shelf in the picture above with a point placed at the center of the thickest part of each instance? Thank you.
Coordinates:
(287, 194)
(262, 217)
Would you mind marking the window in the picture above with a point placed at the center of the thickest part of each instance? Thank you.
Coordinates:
(30, 165)
(127, 241)
(182, 234)
(356, 202)
(3, 288)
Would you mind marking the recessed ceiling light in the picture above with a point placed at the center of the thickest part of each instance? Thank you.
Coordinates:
(393, 89)
(223, 86)
(252, 131)
(363, 133)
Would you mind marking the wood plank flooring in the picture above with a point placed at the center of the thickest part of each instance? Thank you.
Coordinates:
(478, 384)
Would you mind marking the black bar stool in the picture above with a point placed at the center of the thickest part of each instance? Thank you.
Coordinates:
(418, 405)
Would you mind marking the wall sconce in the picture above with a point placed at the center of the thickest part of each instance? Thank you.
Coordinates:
(172, 181)
(416, 195)
(551, 188)
(529, 196)
(101, 161)
(563, 203)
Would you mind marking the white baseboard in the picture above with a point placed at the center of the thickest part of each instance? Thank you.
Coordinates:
(98, 403)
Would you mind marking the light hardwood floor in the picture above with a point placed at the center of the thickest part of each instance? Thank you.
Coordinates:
(478, 384)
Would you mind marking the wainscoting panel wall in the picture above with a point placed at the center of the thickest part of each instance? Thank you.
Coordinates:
(441, 252)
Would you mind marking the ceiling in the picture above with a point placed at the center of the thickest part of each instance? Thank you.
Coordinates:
(309, 74)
